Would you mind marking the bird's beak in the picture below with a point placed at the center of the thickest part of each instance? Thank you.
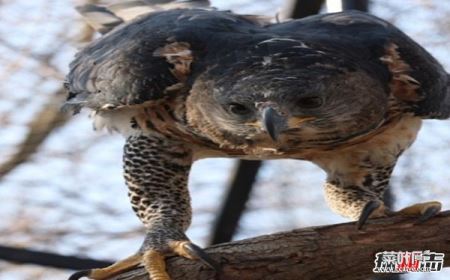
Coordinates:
(273, 123)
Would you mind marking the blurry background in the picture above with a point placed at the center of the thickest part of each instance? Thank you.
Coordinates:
(69, 197)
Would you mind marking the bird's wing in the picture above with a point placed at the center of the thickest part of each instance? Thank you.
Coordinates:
(406, 69)
(150, 57)
(99, 18)
(105, 18)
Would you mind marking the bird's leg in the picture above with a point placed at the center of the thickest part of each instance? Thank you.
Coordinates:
(156, 172)
(354, 201)
(363, 197)
(359, 174)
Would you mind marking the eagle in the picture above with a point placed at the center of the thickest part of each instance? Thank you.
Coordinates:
(347, 91)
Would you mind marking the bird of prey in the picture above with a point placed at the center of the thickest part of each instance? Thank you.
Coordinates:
(347, 91)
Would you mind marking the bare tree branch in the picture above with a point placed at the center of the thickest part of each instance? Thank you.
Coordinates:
(46, 68)
(327, 252)
(49, 117)
(42, 124)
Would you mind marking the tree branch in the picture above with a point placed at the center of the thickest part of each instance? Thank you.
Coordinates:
(50, 116)
(41, 126)
(327, 252)
(241, 185)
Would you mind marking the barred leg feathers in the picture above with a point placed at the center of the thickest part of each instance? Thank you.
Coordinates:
(156, 172)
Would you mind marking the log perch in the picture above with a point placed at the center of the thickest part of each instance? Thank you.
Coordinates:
(326, 252)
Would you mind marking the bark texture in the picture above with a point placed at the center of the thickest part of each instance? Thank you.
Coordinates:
(328, 252)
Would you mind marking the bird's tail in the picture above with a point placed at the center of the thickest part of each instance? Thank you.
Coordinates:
(105, 18)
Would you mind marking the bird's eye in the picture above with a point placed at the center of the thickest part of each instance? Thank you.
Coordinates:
(238, 109)
(310, 102)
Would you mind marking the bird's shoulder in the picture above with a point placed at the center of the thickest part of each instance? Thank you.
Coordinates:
(376, 46)
(148, 57)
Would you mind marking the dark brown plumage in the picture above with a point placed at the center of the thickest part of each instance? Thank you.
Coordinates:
(346, 91)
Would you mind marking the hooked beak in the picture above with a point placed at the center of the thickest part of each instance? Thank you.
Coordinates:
(273, 123)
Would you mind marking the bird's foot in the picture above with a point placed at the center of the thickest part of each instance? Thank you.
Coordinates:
(110, 271)
(424, 211)
(155, 264)
(153, 260)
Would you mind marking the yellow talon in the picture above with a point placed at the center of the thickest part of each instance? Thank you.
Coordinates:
(420, 208)
(179, 248)
(109, 271)
(155, 264)
(153, 261)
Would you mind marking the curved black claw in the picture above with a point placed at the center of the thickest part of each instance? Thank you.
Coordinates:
(366, 212)
(429, 213)
(80, 274)
(200, 254)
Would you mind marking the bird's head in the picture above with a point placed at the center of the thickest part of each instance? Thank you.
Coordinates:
(286, 104)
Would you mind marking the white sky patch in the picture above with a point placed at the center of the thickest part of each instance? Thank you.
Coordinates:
(334, 6)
